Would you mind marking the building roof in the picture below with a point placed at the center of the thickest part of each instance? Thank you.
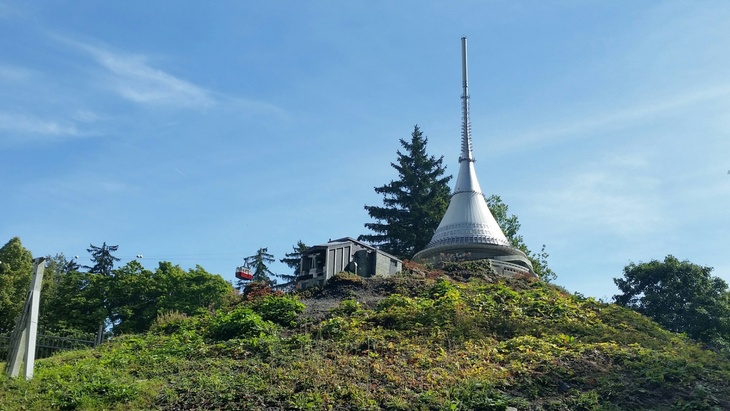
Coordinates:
(345, 240)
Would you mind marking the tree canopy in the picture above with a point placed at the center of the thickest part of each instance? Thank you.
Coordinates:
(122, 300)
(130, 299)
(102, 258)
(510, 226)
(414, 204)
(16, 268)
(292, 260)
(679, 295)
(259, 264)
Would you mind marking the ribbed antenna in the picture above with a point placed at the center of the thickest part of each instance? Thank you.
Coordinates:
(466, 154)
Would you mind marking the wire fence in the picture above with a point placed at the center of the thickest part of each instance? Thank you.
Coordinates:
(47, 344)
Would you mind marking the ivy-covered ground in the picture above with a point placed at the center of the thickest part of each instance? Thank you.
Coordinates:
(452, 339)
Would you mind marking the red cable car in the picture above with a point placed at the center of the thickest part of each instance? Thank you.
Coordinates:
(244, 273)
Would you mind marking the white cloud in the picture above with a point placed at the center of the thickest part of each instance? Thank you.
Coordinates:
(13, 73)
(7, 10)
(614, 198)
(25, 124)
(137, 81)
(613, 119)
(134, 79)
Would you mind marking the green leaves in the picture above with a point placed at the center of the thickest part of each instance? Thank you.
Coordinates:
(679, 295)
(259, 265)
(510, 226)
(241, 322)
(16, 268)
(131, 298)
(413, 204)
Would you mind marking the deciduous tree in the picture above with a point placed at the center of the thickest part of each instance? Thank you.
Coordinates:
(414, 204)
(16, 269)
(138, 295)
(76, 303)
(510, 225)
(679, 295)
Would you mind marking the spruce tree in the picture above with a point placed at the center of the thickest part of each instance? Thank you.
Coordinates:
(259, 265)
(292, 259)
(102, 258)
(413, 205)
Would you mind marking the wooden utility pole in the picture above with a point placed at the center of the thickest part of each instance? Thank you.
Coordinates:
(23, 339)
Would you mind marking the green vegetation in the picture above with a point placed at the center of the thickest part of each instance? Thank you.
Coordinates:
(121, 300)
(16, 266)
(511, 226)
(679, 295)
(413, 205)
(259, 264)
(458, 338)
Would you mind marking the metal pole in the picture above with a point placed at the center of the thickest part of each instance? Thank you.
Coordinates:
(24, 336)
(466, 154)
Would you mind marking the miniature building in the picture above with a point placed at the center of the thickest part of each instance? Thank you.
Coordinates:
(321, 262)
(468, 230)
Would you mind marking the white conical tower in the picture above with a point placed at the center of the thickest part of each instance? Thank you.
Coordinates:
(468, 230)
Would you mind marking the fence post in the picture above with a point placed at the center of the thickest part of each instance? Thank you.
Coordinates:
(99, 335)
(23, 340)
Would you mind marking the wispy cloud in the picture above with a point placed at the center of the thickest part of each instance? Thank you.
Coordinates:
(13, 73)
(133, 78)
(611, 120)
(29, 125)
(614, 197)
(7, 10)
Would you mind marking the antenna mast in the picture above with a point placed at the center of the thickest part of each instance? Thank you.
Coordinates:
(466, 153)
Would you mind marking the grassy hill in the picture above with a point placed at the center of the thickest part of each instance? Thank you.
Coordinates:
(453, 339)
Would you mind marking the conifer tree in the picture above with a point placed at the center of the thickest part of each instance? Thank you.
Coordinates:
(413, 205)
(292, 259)
(102, 258)
(259, 264)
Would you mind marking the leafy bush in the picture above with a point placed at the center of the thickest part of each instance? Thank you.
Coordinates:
(170, 322)
(347, 278)
(482, 345)
(283, 310)
(237, 323)
(347, 307)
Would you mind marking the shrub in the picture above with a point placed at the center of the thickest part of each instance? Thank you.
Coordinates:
(240, 322)
(347, 278)
(347, 307)
(283, 310)
(171, 322)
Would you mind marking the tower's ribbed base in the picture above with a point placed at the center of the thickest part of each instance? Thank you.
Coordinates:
(504, 258)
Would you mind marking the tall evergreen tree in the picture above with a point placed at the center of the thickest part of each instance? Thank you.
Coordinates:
(292, 260)
(414, 204)
(259, 264)
(102, 258)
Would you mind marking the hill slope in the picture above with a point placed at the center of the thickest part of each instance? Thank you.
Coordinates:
(459, 339)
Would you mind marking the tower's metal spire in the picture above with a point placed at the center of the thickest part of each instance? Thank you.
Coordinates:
(468, 227)
(466, 154)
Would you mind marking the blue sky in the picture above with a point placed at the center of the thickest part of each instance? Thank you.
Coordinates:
(198, 132)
